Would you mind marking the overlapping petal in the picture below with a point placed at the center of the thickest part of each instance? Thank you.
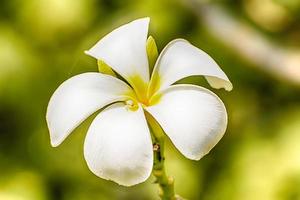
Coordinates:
(180, 59)
(124, 49)
(118, 145)
(194, 118)
(79, 97)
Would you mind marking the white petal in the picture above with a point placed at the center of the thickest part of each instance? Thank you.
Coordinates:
(78, 98)
(118, 146)
(180, 59)
(124, 49)
(194, 118)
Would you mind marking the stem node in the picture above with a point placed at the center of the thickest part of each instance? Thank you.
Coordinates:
(166, 183)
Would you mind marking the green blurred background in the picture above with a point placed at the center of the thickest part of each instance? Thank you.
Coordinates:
(257, 44)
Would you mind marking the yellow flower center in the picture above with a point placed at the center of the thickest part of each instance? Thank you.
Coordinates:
(145, 92)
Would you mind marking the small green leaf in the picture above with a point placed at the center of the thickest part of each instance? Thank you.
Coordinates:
(152, 52)
(105, 69)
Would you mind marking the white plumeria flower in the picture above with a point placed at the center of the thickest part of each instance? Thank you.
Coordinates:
(118, 144)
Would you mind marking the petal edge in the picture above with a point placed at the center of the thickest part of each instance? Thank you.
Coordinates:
(118, 146)
(193, 117)
(127, 43)
(180, 59)
(79, 97)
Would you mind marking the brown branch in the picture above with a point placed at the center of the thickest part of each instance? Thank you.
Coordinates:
(280, 61)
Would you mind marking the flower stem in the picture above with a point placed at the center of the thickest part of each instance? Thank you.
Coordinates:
(166, 183)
